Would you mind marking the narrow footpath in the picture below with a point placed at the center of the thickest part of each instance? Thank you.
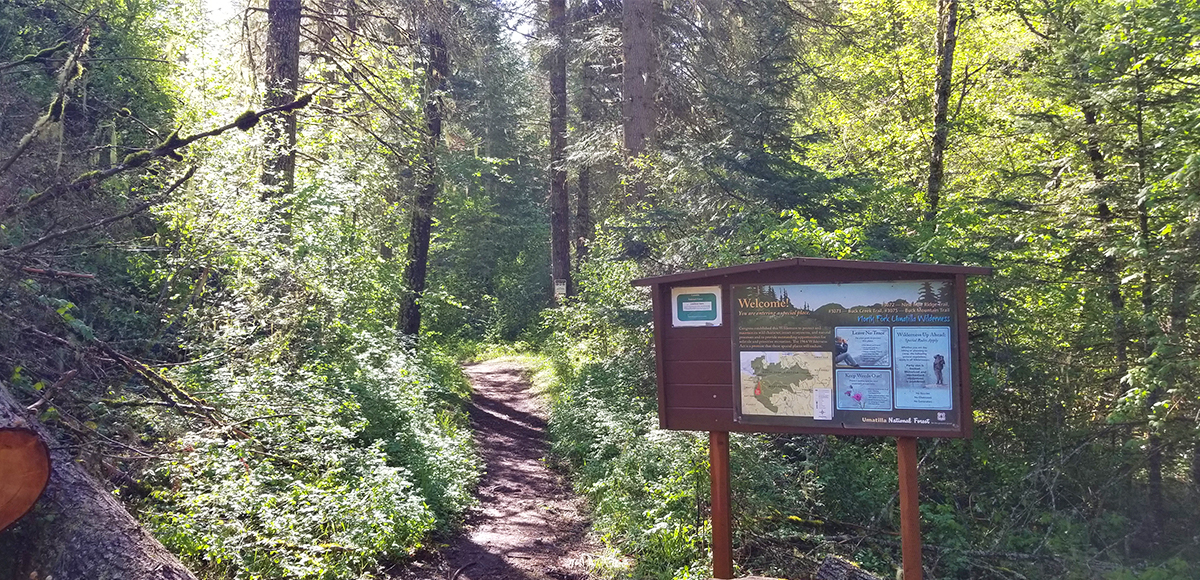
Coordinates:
(529, 525)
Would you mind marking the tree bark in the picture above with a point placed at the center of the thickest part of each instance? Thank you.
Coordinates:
(283, 82)
(437, 71)
(560, 210)
(1109, 268)
(583, 202)
(947, 38)
(78, 529)
(583, 216)
(637, 43)
(1150, 330)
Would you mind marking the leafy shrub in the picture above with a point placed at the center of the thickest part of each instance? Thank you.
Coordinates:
(647, 487)
(333, 467)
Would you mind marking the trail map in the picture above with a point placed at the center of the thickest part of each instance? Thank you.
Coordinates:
(783, 383)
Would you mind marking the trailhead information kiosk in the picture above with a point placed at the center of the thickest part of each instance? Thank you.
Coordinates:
(814, 345)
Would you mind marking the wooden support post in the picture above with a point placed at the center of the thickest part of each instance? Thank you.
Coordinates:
(722, 536)
(910, 511)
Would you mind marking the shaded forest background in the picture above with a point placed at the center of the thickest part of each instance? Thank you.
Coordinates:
(241, 258)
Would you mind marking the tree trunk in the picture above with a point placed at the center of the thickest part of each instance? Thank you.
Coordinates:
(283, 81)
(78, 529)
(637, 43)
(1154, 458)
(560, 210)
(1109, 268)
(437, 70)
(583, 201)
(947, 38)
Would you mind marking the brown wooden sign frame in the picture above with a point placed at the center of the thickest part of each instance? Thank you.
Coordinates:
(697, 374)
(697, 333)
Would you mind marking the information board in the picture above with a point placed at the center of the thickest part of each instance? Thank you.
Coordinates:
(855, 355)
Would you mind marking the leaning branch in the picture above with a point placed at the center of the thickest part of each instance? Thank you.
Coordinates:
(52, 389)
(139, 208)
(56, 273)
(70, 71)
(40, 55)
(163, 386)
(168, 148)
(120, 403)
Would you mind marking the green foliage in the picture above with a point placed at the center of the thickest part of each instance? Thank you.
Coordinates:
(786, 129)
(352, 460)
(489, 277)
(1173, 569)
(644, 485)
(300, 437)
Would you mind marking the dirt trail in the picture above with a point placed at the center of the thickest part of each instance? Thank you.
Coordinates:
(528, 524)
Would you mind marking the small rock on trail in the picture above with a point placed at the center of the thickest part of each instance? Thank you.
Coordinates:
(528, 525)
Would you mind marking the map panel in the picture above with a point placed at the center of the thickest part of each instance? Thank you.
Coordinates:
(781, 384)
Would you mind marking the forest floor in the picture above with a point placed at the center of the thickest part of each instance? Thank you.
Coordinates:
(528, 525)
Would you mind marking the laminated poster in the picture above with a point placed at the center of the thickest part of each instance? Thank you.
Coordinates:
(858, 355)
(696, 306)
(923, 368)
(867, 346)
(864, 390)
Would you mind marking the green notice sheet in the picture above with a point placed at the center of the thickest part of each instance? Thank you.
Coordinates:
(696, 306)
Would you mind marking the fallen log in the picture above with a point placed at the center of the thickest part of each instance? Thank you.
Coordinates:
(78, 530)
(835, 568)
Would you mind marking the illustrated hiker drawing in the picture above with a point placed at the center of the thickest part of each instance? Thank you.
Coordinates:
(939, 363)
(843, 357)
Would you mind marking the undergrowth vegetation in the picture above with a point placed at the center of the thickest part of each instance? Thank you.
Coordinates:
(796, 498)
(225, 357)
(344, 463)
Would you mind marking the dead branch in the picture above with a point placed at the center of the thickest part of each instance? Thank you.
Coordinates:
(40, 55)
(188, 362)
(141, 207)
(55, 112)
(56, 273)
(168, 148)
(35, 331)
(52, 389)
(162, 386)
(116, 403)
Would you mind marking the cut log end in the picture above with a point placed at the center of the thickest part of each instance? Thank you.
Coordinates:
(26, 471)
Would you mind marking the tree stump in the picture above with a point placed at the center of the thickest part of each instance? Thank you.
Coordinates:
(26, 471)
(78, 529)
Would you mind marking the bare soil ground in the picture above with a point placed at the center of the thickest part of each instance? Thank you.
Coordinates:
(528, 525)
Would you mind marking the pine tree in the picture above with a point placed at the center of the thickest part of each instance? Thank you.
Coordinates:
(927, 294)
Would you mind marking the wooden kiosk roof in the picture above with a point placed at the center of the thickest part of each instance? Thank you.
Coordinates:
(816, 263)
